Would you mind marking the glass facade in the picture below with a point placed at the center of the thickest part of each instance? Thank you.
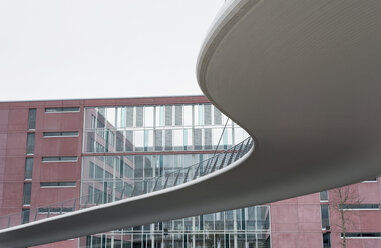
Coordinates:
(248, 227)
(158, 128)
(139, 143)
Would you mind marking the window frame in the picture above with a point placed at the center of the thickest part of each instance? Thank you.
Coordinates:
(59, 160)
(61, 134)
(51, 110)
(58, 184)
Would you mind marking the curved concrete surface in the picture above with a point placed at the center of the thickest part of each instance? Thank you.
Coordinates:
(303, 77)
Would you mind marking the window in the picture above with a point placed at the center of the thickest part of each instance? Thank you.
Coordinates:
(27, 193)
(57, 210)
(28, 168)
(99, 147)
(148, 116)
(57, 184)
(168, 115)
(93, 121)
(178, 139)
(60, 159)
(168, 139)
(197, 138)
(98, 172)
(139, 116)
(360, 206)
(138, 170)
(30, 143)
(32, 119)
(327, 240)
(325, 216)
(208, 138)
(129, 140)
(188, 115)
(25, 215)
(60, 134)
(63, 109)
(207, 114)
(356, 235)
(91, 170)
(158, 140)
(217, 116)
(324, 196)
(130, 116)
(178, 115)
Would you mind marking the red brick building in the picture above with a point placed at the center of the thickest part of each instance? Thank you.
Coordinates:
(44, 151)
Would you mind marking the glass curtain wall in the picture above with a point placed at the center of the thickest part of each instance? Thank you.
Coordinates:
(241, 228)
(134, 142)
(158, 128)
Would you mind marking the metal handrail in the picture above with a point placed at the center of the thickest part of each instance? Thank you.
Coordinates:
(182, 175)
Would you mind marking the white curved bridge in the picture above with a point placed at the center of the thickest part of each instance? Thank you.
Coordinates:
(303, 78)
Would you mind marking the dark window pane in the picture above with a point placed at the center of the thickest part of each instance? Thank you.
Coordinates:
(57, 184)
(325, 216)
(138, 169)
(28, 168)
(360, 206)
(68, 158)
(148, 167)
(59, 159)
(66, 184)
(50, 159)
(69, 133)
(327, 240)
(25, 215)
(56, 210)
(32, 119)
(362, 235)
(27, 193)
(30, 143)
(70, 109)
(47, 134)
(54, 134)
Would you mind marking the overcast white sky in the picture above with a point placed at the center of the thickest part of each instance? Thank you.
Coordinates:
(99, 49)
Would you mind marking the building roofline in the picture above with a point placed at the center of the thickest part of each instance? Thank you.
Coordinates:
(100, 98)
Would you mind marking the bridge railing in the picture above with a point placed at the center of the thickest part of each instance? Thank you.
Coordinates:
(119, 189)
